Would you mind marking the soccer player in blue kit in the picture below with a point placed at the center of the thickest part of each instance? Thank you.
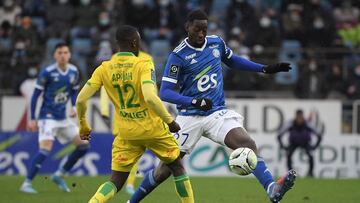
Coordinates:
(58, 83)
(195, 67)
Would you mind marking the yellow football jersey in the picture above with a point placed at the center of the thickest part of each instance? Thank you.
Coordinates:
(104, 98)
(122, 77)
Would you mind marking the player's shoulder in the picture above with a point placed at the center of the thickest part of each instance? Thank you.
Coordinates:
(144, 55)
(49, 68)
(73, 68)
(214, 39)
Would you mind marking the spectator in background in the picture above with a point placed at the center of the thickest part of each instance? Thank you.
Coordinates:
(311, 83)
(103, 29)
(59, 17)
(86, 15)
(241, 13)
(337, 84)
(320, 25)
(353, 88)
(9, 11)
(292, 23)
(133, 9)
(26, 32)
(163, 22)
(346, 15)
(300, 133)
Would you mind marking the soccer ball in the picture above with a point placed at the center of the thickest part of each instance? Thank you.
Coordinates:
(242, 161)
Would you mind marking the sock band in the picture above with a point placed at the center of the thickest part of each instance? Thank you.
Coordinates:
(180, 185)
(107, 188)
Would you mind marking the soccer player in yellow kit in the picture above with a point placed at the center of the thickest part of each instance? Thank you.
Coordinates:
(105, 112)
(142, 120)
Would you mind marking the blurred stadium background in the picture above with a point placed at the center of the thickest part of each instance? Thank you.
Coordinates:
(320, 38)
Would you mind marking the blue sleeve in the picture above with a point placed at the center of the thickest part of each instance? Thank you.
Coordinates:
(34, 99)
(169, 82)
(237, 62)
(41, 80)
(240, 63)
(168, 94)
(75, 89)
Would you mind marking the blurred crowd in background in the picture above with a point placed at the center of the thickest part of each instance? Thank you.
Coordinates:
(320, 38)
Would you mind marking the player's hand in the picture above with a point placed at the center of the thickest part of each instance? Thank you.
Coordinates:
(85, 130)
(278, 67)
(32, 126)
(203, 104)
(174, 127)
(72, 113)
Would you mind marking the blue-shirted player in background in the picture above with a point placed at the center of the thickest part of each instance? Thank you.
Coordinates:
(195, 67)
(58, 83)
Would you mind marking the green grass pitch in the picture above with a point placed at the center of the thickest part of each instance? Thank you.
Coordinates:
(206, 190)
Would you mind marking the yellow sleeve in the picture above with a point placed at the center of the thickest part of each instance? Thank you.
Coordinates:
(149, 90)
(104, 102)
(96, 78)
(81, 105)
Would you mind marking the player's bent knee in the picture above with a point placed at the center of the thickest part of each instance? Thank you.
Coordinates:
(46, 145)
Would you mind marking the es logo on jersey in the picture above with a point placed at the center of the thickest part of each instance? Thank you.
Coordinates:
(174, 70)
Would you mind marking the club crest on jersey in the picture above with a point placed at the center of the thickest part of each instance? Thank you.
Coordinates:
(216, 53)
(174, 70)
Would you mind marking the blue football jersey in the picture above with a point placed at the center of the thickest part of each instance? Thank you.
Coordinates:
(57, 87)
(198, 72)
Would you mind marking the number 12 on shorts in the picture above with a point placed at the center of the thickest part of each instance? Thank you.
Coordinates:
(181, 138)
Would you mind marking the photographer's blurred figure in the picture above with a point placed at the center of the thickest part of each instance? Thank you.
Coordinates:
(300, 132)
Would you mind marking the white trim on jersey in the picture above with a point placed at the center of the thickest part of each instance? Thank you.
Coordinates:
(169, 80)
(197, 49)
(76, 87)
(230, 55)
(179, 48)
(39, 87)
(61, 71)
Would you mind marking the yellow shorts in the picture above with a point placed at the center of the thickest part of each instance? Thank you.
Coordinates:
(126, 153)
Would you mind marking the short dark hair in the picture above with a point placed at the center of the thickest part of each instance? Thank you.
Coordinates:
(299, 112)
(197, 15)
(125, 33)
(59, 45)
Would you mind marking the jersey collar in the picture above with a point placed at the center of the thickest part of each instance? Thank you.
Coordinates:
(197, 49)
(125, 54)
(61, 71)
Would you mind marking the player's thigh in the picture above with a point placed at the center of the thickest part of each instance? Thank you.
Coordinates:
(47, 133)
(126, 153)
(226, 128)
(69, 133)
(166, 149)
(190, 133)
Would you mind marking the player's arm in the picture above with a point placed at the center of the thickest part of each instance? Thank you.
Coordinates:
(240, 63)
(169, 83)
(73, 95)
(317, 133)
(104, 103)
(89, 89)
(39, 87)
(148, 89)
(282, 132)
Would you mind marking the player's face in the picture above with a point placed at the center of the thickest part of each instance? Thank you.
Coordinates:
(197, 32)
(62, 55)
(300, 119)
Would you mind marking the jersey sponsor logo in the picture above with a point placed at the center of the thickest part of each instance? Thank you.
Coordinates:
(193, 61)
(190, 56)
(134, 115)
(174, 70)
(216, 53)
(206, 82)
(213, 46)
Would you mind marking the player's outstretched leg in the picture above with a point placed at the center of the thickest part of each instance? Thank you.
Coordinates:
(34, 168)
(131, 180)
(277, 190)
(151, 180)
(57, 177)
(107, 190)
(238, 137)
(155, 177)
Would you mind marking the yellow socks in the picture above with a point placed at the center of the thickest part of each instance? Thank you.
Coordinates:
(183, 188)
(105, 192)
(132, 175)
